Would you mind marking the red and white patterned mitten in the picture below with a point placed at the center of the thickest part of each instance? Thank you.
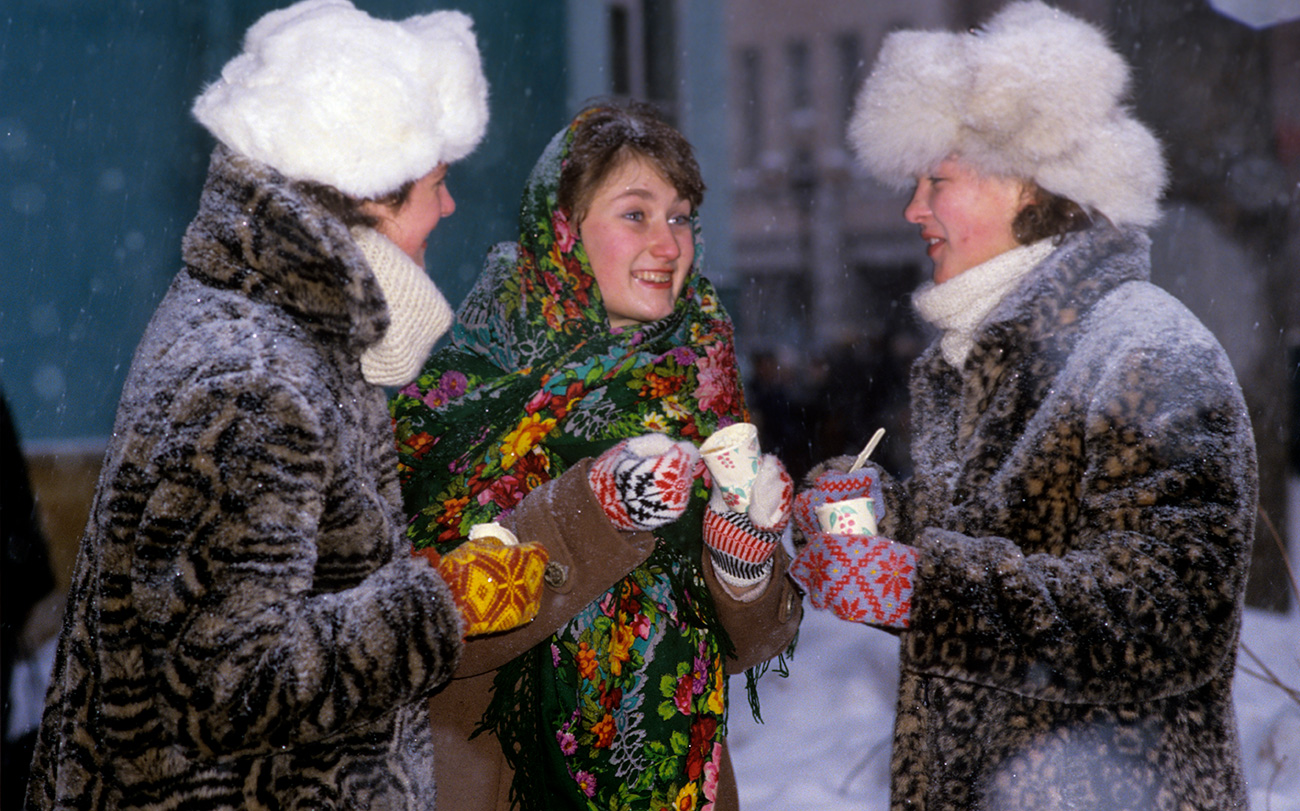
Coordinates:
(860, 578)
(741, 543)
(645, 482)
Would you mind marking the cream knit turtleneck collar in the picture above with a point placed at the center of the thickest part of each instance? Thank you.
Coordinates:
(961, 304)
(418, 313)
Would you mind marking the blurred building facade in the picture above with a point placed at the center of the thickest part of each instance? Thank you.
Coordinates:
(821, 252)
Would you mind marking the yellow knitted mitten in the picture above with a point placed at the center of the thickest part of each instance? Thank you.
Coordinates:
(497, 586)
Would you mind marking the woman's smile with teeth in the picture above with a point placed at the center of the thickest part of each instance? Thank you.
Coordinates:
(654, 276)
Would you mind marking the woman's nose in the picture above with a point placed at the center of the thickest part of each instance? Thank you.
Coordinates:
(916, 208)
(666, 243)
(448, 203)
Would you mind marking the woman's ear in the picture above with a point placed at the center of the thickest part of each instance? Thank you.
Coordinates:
(575, 225)
(375, 209)
(1029, 195)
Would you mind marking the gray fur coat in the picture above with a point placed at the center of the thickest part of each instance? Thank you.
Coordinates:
(1083, 502)
(246, 628)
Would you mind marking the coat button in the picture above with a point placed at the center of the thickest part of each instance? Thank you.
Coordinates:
(789, 605)
(556, 574)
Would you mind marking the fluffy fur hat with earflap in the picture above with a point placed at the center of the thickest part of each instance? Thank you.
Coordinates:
(327, 93)
(1036, 94)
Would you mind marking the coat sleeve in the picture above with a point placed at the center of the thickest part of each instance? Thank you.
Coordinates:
(588, 555)
(1149, 467)
(220, 601)
(763, 624)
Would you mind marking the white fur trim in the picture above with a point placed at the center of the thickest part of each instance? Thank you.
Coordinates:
(1035, 94)
(327, 93)
(418, 313)
(656, 444)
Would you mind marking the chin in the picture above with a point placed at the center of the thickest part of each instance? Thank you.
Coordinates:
(942, 275)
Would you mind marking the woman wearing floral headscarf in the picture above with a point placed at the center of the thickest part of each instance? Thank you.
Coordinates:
(595, 335)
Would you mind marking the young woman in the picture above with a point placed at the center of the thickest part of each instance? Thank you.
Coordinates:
(246, 627)
(1066, 565)
(594, 328)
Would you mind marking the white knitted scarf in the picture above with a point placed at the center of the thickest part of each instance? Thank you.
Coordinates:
(961, 304)
(417, 311)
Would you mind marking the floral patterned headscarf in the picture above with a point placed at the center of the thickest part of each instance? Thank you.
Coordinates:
(625, 705)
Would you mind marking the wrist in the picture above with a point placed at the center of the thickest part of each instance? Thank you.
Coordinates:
(741, 587)
(741, 552)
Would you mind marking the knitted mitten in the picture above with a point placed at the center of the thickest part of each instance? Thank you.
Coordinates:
(741, 543)
(495, 585)
(645, 482)
(860, 578)
(835, 485)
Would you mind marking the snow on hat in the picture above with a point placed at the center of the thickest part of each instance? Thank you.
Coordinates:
(1036, 94)
(327, 93)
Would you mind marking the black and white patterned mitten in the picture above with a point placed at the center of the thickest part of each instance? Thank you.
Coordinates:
(645, 482)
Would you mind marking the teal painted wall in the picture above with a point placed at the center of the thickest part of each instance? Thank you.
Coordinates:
(101, 167)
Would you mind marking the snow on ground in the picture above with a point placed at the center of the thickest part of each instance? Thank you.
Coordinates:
(824, 741)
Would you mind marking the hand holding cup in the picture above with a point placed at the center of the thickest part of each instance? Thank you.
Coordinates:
(854, 516)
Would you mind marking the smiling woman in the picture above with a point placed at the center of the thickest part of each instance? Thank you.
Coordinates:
(965, 217)
(1077, 524)
(409, 221)
(575, 339)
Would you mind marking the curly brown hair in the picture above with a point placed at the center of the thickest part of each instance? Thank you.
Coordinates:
(612, 132)
(348, 208)
(1049, 216)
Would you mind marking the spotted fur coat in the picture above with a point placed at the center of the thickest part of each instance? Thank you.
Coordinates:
(246, 629)
(1083, 501)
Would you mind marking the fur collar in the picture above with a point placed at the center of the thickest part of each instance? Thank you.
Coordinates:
(1044, 313)
(256, 233)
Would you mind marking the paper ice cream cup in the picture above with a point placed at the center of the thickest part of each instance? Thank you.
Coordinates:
(731, 454)
(854, 516)
(493, 531)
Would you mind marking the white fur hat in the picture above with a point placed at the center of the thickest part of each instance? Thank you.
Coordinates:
(1036, 94)
(327, 93)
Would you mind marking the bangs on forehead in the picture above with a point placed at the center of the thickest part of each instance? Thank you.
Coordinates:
(609, 137)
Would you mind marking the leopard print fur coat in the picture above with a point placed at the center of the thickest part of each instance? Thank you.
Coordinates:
(1083, 500)
(246, 629)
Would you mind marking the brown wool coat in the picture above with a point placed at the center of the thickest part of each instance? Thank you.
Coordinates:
(1083, 501)
(564, 516)
(246, 627)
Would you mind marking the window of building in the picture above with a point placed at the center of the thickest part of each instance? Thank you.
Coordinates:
(642, 45)
(620, 56)
(799, 61)
(848, 50)
(750, 68)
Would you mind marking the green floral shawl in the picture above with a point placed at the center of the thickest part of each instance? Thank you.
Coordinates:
(624, 706)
